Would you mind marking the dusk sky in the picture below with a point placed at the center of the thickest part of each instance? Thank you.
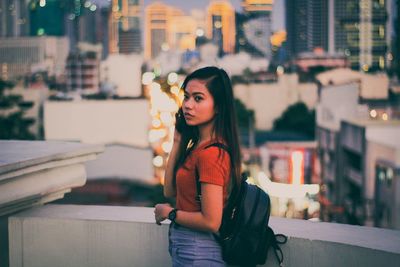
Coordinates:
(278, 16)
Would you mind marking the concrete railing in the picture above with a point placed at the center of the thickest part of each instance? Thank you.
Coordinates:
(33, 173)
(72, 235)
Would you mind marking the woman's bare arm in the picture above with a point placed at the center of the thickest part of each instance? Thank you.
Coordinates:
(208, 219)
(169, 187)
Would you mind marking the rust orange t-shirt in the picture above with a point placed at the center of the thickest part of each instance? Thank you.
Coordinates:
(213, 166)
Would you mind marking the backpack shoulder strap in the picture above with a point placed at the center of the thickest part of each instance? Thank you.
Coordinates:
(277, 239)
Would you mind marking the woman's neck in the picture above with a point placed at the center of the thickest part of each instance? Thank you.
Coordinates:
(206, 132)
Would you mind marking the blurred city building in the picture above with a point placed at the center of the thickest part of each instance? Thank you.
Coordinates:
(291, 162)
(221, 28)
(94, 121)
(183, 33)
(346, 148)
(158, 18)
(48, 17)
(14, 18)
(125, 26)
(87, 22)
(306, 25)
(368, 172)
(122, 72)
(83, 69)
(361, 32)
(254, 28)
(285, 92)
(310, 64)
(355, 28)
(394, 56)
(20, 56)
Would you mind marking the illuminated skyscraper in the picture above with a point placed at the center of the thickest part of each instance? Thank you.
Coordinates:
(182, 33)
(257, 6)
(254, 28)
(14, 18)
(396, 39)
(360, 32)
(221, 25)
(124, 26)
(306, 25)
(159, 20)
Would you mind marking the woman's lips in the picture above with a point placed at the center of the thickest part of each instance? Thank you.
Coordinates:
(188, 115)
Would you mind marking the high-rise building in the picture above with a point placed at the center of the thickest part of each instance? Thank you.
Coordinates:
(360, 32)
(254, 28)
(306, 25)
(87, 22)
(356, 28)
(47, 17)
(396, 40)
(159, 19)
(257, 6)
(182, 33)
(125, 26)
(83, 71)
(14, 18)
(221, 25)
(20, 56)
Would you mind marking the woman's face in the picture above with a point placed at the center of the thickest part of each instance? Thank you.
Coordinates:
(198, 104)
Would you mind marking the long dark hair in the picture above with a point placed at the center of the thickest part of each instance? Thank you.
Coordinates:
(225, 125)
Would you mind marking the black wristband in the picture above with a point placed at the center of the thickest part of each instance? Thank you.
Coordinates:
(172, 215)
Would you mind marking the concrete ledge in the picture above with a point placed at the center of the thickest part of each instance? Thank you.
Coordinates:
(69, 235)
(37, 172)
(17, 155)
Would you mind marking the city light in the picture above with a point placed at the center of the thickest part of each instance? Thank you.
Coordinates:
(373, 113)
(385, 116)
(297, 166)
(166, 118)
(156, 123)
(281, 190)
(175, 90)
(199, 32)
(167, 146)
(172, 78)
(147, 78)
(155, 135)
(42, 3)
(280, 70)
(158, 161)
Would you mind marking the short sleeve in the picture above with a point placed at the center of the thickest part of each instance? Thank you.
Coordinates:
(213, 166)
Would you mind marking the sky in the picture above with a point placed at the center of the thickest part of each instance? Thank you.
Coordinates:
(278, 16)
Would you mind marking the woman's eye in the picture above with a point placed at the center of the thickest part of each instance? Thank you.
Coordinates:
(185, 97)
(197, 98)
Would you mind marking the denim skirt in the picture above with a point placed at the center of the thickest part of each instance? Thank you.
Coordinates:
(189, 247)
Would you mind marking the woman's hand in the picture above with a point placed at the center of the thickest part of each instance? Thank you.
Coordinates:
(177, 137)
(161, 212)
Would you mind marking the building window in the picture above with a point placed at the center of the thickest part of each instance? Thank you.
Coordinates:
(385, 175)
(381, 31)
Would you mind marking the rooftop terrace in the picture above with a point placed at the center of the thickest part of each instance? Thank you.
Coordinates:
(72, 235)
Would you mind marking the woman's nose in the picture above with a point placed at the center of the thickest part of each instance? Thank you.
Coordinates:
(188, 104)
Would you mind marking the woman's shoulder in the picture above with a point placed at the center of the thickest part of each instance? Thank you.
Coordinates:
(213, 151)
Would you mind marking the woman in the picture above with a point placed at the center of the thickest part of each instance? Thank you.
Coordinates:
(207, 117)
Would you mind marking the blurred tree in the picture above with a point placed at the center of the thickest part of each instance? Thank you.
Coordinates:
(13, 124)
(243, 115)
(297, 118)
